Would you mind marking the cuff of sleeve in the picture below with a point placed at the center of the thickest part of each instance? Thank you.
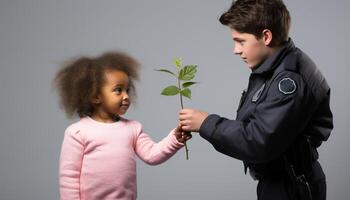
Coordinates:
(174, 141)
(208, 126)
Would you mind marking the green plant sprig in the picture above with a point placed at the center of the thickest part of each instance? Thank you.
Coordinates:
(184, 76)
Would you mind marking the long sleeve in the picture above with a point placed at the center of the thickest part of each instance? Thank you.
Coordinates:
(267, 133)
(70, 165)
(155, 153)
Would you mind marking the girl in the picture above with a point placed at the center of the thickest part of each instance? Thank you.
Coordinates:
(98, 152)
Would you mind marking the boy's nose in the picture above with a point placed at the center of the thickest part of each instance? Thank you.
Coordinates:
(237, 50)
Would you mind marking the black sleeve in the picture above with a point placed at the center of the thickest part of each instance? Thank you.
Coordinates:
(268, 132)
(322, 122)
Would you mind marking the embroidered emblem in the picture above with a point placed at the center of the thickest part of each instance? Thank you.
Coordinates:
(287, 86)
(258, 93)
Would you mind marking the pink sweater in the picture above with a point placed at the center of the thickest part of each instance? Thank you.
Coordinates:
(98, 159)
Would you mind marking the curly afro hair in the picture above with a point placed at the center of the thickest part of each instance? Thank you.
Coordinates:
(81, 78)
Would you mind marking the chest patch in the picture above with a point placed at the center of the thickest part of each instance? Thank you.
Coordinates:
(287, 86)
(258, 93)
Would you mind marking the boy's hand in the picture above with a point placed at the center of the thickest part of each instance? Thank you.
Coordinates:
(182, 136)
(191, 119)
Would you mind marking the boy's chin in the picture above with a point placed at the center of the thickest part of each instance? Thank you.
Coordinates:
(249, 65)
(252, 67)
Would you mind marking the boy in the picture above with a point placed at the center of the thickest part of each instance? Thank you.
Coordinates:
(284, 114)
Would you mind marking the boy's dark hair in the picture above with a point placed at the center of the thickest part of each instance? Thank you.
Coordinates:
(253, 16)
(81, 79)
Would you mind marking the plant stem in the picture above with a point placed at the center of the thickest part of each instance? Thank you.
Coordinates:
(182, 107)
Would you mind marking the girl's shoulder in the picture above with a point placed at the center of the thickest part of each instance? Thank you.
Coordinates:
(75, 126)
(133, 123)
(87, 125)
(130, 121)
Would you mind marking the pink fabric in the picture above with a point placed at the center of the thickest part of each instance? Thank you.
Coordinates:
(98, 159)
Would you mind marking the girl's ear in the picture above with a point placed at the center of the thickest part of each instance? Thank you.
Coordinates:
(267, 37)
(95, 99)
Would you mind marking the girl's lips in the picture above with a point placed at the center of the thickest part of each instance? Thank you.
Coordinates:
(125, 105)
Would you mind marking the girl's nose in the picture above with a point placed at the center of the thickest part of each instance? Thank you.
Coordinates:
(125, 96)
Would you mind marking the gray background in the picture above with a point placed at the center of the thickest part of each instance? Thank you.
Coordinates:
(36, 36)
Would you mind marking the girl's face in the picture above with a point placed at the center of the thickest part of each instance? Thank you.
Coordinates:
(113, 99)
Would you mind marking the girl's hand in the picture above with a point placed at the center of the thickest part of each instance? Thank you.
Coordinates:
(182, 136)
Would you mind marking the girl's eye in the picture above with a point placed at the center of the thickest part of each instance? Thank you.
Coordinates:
(118, 90)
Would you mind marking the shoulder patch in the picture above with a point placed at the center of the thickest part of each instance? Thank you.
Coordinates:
(287, 86)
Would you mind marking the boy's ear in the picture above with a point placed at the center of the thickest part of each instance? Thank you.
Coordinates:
(267, 37)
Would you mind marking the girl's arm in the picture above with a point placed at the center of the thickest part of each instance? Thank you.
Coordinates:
(155, 153)
(70, 165)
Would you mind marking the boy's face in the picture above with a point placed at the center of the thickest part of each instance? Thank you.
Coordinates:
(253, 51)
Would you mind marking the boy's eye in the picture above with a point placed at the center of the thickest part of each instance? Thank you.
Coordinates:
(240, 42)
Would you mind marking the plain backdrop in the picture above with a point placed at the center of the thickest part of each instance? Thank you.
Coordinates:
(37, 36)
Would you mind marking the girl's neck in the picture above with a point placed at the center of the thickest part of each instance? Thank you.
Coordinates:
(105, 117)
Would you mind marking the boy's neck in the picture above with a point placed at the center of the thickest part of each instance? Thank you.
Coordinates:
(268, 54)
(273, 50)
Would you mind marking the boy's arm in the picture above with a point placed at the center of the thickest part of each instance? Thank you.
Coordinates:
(70, 165)
(267, 133)
(155, 153)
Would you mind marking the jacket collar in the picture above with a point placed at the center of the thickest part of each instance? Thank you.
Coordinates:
(273, 61)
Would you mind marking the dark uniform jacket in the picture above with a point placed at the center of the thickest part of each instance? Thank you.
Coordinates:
(287, 97)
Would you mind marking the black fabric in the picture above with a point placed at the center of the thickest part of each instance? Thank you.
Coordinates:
(269, 122)
(282, 189)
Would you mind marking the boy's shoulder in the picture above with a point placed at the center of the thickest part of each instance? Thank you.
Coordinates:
(300, 64)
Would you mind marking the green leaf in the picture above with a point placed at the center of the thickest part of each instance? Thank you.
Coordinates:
(188, 84)
(166, 71)
(188, 72)
(170, 91)
(186, 93)
(178, 63)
